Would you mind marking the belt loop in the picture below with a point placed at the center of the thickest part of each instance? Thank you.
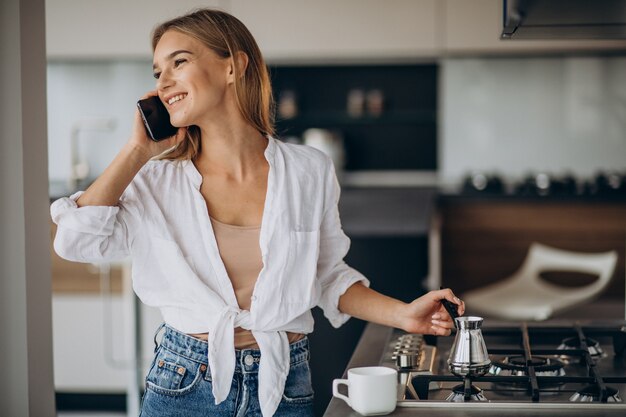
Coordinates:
(156, 345)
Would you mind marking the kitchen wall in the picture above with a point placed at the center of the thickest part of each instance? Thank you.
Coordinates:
(514, 115)
(510, 115)
(84, 95)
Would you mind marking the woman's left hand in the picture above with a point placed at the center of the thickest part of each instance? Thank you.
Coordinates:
(426, 314)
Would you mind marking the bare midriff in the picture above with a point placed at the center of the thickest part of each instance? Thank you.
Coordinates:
(241, 254)
(245, 340)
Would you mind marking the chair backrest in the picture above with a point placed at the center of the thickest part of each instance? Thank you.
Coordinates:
(543, 258)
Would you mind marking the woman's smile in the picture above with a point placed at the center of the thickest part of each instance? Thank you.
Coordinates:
(175, 99)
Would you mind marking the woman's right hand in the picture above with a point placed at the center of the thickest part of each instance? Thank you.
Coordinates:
(142, 142)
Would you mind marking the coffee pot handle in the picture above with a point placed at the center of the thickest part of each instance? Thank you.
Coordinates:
(336, 393)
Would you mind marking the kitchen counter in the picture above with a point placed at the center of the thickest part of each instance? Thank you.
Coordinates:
(374, 212)
(368, 353)
(459, 197)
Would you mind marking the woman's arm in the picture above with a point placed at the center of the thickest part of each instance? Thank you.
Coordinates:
(107, 189)
(424, 315)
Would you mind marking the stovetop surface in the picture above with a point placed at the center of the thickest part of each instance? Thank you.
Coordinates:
(564, 373)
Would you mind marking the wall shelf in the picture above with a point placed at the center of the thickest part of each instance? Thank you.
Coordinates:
(403, 136)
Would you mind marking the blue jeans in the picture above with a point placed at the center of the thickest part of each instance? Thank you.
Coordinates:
(179, 384)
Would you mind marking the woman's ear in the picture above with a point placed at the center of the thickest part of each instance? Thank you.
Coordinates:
(240, 59)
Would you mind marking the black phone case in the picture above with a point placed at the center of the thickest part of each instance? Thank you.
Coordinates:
(156, 119)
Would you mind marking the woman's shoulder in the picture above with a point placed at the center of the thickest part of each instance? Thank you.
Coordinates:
(303, 154)
(159, 166)
(160, 170)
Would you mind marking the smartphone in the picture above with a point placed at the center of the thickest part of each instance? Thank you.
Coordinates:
(156, 119)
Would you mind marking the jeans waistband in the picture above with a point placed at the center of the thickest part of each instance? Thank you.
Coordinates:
(247, 360)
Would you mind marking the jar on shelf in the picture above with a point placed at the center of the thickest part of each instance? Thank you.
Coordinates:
(356, 102)
(287, 104)
(374, 102)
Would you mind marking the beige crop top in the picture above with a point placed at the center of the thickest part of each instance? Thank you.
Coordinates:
(240, 251)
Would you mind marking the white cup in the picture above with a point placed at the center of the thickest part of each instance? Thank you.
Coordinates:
(372, 390)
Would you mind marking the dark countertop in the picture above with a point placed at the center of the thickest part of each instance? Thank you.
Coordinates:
(452, 197)
(369, 351)
(371, 212)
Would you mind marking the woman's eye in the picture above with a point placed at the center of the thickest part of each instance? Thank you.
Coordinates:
(156, 75)
(178, 62)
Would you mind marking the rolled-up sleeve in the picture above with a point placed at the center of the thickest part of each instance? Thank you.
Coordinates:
(334, 274)
(93, 233)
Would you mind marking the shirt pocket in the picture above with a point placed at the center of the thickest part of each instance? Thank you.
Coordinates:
(301, 267)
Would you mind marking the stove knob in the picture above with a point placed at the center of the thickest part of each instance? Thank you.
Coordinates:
(405, 360)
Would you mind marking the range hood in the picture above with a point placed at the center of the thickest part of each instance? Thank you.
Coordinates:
(564, 19)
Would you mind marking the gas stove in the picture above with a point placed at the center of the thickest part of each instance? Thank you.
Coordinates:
(570, 365)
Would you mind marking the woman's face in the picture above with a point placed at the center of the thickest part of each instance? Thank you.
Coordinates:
(192, 79)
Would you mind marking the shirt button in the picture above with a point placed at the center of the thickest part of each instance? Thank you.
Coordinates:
(253, 298)
(248, 360)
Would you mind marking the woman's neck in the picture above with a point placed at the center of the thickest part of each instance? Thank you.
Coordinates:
(233, 150)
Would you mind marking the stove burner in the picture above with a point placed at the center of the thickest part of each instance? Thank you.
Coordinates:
(593, 346)
(516, 366)
(458, 394)
(591, 393)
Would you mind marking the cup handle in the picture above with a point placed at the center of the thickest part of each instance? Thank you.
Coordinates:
(336, 393)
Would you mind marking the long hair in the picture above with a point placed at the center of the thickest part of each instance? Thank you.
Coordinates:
(226, 36)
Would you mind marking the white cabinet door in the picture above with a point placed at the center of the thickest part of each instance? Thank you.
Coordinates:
(341, 30)
(108, 29)
(90, 344)
(474, 26)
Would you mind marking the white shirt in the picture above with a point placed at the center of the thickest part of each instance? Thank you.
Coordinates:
(162, 222)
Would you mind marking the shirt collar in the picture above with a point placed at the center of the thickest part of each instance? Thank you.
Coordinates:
(196, 177)
(192, 172)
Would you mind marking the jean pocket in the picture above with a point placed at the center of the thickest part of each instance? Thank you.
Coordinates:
(173, 375)
(298, 387)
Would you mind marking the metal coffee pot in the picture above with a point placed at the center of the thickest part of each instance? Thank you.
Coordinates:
(469, 356)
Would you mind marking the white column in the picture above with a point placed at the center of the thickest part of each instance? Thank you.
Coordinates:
(27, 384)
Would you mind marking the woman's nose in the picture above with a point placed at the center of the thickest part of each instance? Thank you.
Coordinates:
(164, 80)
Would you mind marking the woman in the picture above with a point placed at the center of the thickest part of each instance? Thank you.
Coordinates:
(234, 235)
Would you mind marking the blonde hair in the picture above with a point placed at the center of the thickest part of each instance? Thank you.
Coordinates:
(226, 36)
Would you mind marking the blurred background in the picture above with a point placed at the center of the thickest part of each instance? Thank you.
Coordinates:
(455, 150)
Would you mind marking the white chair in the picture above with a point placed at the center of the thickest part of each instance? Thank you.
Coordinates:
(526, 296)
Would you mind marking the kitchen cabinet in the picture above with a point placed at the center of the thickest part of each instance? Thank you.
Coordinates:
(285, 30)
(474, 27)
(298, 31)
(111, 29)
(91, 342)
(330, 30)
